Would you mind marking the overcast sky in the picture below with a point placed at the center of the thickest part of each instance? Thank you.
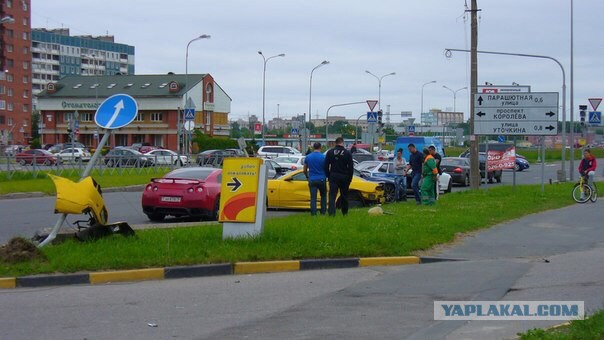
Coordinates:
(382, 36)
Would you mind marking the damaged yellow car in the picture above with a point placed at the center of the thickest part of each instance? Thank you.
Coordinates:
(291, 192)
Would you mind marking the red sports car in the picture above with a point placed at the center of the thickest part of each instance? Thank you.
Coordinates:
(193, 192)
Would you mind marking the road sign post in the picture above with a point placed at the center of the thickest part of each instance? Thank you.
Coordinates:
(524, 114)
(114, 112)
(242, 200)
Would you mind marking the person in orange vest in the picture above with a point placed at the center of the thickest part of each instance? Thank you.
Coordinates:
(429, 175)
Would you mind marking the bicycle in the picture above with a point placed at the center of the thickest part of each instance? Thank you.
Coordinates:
(583, 192)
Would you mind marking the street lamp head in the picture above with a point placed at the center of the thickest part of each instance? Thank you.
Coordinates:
(281, 55)
(433, 81)
(392, 74)
(260, 52)
(204, 36)
(325, 62)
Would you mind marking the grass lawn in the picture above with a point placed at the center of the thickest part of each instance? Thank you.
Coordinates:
(410, 228)
(26, 183)
(590, 328)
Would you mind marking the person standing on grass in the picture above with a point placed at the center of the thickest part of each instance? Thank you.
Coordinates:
(339, 169)
(314, 169)
(429, 175)
(415, 163)
(400, 181)
(437, 159)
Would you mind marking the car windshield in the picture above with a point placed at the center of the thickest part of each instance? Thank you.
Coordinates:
(367, 165)
(190, 173)
(454, 162)
(286, 160)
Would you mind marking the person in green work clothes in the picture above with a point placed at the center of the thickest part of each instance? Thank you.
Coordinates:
(429, 173)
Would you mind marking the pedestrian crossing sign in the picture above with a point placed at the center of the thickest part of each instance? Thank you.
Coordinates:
(189, 114)
(595, 117)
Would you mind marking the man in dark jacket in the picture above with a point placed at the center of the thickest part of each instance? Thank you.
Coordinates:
(339, 170)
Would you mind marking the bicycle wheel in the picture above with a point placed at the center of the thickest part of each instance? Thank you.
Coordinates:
(594, 193)
(581, 196)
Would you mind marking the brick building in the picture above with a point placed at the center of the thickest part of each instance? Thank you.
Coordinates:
(160, 99)
(15, 71)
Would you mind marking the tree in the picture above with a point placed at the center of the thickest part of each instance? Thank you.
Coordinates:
(235, 130)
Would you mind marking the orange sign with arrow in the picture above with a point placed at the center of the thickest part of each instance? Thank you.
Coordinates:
(238, 189)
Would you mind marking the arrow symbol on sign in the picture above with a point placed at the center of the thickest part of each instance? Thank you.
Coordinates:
(480, 100)
(236, 184)
(480, 114)
(118, 107)
(549, 128)
(551, 114)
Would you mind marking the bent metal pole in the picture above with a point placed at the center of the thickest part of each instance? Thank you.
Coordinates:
(87, 171)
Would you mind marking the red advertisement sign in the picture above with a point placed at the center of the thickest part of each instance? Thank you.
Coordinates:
(501, 159)
(257, 128)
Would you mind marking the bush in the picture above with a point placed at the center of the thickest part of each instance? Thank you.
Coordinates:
(205, 142)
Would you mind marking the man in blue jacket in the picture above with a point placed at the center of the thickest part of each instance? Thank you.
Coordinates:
(314, 169)
(339, 169)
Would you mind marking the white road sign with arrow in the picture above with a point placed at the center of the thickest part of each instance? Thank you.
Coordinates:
(520, 114)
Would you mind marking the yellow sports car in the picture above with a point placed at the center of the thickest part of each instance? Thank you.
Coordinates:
(291, 192)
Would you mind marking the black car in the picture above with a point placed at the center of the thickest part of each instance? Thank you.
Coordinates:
(126, 157)
(458, 168)
(213, 158)
(492, 175)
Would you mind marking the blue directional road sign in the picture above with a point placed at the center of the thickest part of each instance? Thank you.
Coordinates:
(189, 114)
(595, 117)
(372, 117)
(116, 111)
(501, 139)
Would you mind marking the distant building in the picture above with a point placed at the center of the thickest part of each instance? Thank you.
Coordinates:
(15, 72)
(160, 98)
(56, 54)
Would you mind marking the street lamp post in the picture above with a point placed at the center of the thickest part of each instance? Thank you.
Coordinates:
(324, 62)
(327, 118)
(454, 95)
(422, 106)
(264, 87)
(380, 86)
(203, 36)
(562, 171)
(356, 129)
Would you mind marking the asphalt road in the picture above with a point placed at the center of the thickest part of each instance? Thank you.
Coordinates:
(25, 216)
(547, 256)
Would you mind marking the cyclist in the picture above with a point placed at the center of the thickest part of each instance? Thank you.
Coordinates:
(587, 167)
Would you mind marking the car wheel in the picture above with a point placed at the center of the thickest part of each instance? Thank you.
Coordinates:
(355, 200)
(498, 178)
(467, 181)
(178, 163)
(449, 187)
(390, 193)
(110, 163)
(22, 162)
(156, 217)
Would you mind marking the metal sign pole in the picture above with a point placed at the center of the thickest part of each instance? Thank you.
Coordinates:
(87, 171)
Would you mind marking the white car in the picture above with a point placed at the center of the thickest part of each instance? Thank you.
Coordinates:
(386, 169)
(167, 157)
(292, 163)
(274, 151)
(73, 155)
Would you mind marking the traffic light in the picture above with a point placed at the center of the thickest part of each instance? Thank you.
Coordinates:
(379, 117)
(582, 113)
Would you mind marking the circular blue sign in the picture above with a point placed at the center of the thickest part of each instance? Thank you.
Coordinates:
(116, 111)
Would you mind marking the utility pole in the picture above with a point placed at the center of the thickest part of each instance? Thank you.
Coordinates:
(474, 156)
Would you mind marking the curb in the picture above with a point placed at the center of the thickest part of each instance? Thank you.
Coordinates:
(221, 269)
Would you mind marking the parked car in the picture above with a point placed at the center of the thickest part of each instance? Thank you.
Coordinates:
(291, 163)
(521, 163)
(291, 192)
(362, 155)
(274, 169)
(236, 153)
(73, 155)
(122, 157)
(213, 158)
(192, 192)
(458, 168)
(492, 175)
(386, 169)
(36, 156)
(12, 150)
(62, 146)
(167, 157)
(274, 151)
